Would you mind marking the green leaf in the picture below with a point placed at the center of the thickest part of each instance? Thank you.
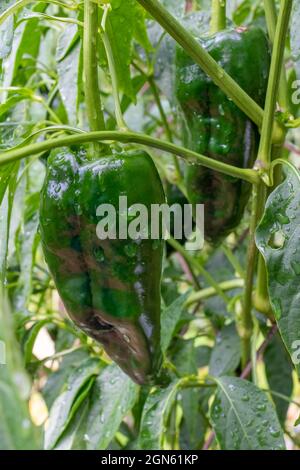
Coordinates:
(28, 239)
(6, 31)
(71, 438)
(155, 414)
(243, 11)
(126, 21)
(57, 380)
(113, 396)
(279, 372)
(297, 423)
(194, 424)
(277, 238)
(243, 417)
(30, 337)
(169, 318)
(68, 402)
(7, 196)
(226, 354)
(25, 48)
(16, 429)
(68, 61)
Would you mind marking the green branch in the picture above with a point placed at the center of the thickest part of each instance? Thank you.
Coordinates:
(244, 321)
(10, 156)
(264, 152)
(44, 16)
(277, 83)
(211, 291)
(271, 18)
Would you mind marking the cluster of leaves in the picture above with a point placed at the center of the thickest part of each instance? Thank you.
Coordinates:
(90, 403)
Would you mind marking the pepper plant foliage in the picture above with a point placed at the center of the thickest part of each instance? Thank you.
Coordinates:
(230, 314)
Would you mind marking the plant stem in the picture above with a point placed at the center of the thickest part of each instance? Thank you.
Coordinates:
(265, 148)
(233, 261)
(264, 152)
(10, 156)
(218, 16)
(112, 69)
(206, 62)
(91, 85)
(245, 323)
(271, 18)
(211, 291)
(193, 262)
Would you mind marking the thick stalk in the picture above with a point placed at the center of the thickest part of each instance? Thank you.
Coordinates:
(265, 148)
(10, 156)
(91, 84)
(271, 18)
(218, 16)
(264, 152)
(207, 63)
(210, 291)
(245, 323)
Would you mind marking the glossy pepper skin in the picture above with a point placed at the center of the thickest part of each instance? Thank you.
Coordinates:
(216, 127)
(110, 288)
(175, 196)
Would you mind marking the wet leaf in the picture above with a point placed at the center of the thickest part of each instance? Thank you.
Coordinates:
(279, 370)
(243, 417)
(156, 411)
(226, 354)
(112, 397)
(68, 62)
(277, 238)
(169, 319)
(66, 404)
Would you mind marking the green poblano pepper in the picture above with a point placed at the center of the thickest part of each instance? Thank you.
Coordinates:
(214, 126)
(110, 288)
